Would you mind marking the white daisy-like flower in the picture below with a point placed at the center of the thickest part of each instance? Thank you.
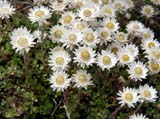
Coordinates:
(22, 39)
(135, 26)
(147, 11)
(153, 54)
(106, 59)
(108, 10)
(147, 93)
(58, 6)
(84, 56)
(82, 79)
(119, 4)
(88, 12)
(80, 25)
(128, 96)
(154, 66)
(115, 47)
(90, 37)
(38, 34)
(125, 56)
(57, 33)
(71, 38)
(138, 116)
(121, 37)
(104, 35)
(39, 14)
(137, 71)
(132, 48)
(59, 60)
(156, 2)
(59, 81)
(67, 18)
(147, 33)
(6, 10)
(148, 44)
(111, 24)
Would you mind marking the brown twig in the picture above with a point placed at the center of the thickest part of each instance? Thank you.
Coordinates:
(56, 106)
(42, 48)
(113, 115)
(139, 107)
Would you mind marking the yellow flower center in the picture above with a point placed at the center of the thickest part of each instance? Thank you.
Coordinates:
(146, 35)
(155, 66)
(89, 37)
(104, 34)
(95, 1)
(138, 70)
(110, 25)
(151, 44)
(67, 19)
(125, 58)
(82, 78)
(106, 60)
(39, 13)
(147, 10)
(129, 97)
(156, 54)
(59, 60)
(121, 38)
(4, 10)
(136, 26)
(80, 26)
(108, 11)
(105, 1)
(72, 37)
(79, 3)
(58, 33)
(22, 42)
(87, 13)
(60, 80)
(85, 55)
(118, 5)
(147, 93)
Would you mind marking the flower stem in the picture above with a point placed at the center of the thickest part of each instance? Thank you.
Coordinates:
(67, 113)
(41, 47)
(65, 102)
(1, 25)
(26, 68)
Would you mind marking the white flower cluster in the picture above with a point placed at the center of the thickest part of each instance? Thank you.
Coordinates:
(131, 96)
(88, 33)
